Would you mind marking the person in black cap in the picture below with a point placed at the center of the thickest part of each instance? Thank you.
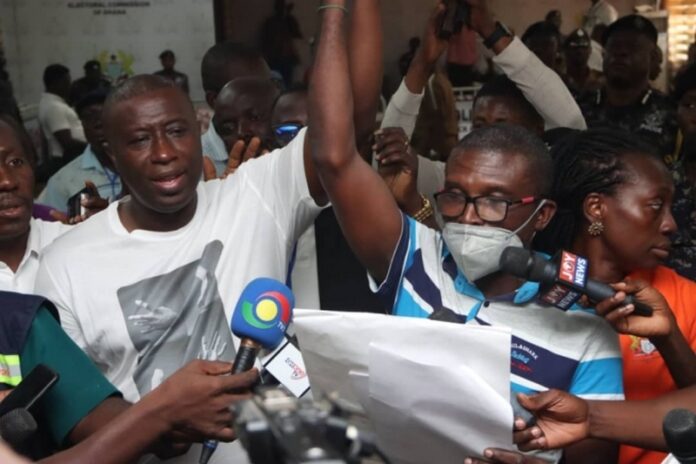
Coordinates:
(579, 78)
(168, 61)
(626, 100)
(92, 81)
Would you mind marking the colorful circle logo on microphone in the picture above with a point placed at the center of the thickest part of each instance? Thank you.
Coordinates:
(268, 311)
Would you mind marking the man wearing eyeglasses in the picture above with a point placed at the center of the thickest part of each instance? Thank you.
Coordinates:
(497, 182)
(289, 115)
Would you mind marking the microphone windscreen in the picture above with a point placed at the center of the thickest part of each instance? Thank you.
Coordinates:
(17, 426)
(263, 312)
(516, 261)
(679, 428)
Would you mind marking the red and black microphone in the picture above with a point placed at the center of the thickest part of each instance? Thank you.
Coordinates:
(564, 279)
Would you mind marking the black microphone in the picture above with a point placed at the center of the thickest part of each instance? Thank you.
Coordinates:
(679, 428)
(17, 426)
(563, 279)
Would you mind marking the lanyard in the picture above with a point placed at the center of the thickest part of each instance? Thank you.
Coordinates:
(113, 177)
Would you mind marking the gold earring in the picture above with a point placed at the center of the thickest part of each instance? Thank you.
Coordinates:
(596, 229)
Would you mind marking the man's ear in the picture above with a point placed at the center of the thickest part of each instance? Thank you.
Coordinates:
(545, 214)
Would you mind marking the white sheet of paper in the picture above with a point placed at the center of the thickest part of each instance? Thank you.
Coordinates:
(432, 385)
(449, 413)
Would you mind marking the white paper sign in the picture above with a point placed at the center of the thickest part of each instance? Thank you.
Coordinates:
(434, 391)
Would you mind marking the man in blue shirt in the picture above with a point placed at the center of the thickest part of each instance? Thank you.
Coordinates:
(497, 182)
(93, 165)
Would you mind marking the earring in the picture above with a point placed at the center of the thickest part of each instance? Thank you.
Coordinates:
(596, 229)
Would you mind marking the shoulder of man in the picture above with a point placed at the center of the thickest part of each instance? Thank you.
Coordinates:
(16, 318)
(79, 240)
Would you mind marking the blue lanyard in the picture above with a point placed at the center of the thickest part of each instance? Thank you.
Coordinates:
(113, 177)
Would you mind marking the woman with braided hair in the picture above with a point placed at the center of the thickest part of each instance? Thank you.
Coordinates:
(614, 201)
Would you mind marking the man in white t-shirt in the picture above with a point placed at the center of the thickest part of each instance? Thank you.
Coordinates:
(59, 122)
(22, 239)
(600, 13)
(151, 282)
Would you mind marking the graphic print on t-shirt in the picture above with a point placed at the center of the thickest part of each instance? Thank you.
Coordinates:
(176, 317)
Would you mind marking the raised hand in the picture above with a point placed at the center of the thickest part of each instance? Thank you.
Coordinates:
(92, 204)
(432, 46)
(241, 152)
(397, 164)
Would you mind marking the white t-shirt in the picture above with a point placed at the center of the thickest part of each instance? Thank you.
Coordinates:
(144, 303)
(601, 12)
(41, 234)
(596, 60)
(56, 115)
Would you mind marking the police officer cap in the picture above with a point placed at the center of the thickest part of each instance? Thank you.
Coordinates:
(578, 38)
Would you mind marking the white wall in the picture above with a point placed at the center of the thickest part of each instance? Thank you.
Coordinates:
(40, 32)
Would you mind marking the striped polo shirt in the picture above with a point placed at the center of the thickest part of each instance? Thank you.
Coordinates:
(575, 351)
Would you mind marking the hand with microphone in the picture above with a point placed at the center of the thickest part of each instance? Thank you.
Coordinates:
(563, 280)
(260, 320)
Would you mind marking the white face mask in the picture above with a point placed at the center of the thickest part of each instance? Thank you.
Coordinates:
(477, 249)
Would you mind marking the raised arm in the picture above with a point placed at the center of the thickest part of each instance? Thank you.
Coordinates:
(542, 86)
(365, 69)
(402, 110)
(365, 208)
(366, 65)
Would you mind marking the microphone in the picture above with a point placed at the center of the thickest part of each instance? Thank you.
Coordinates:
(260, 319)
(563, 279)
(679, 428)
(17, 426)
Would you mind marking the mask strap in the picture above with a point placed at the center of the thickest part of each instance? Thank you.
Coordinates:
(531, 216)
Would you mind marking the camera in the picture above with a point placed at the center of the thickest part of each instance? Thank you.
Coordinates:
(275, 427)
(455, 17)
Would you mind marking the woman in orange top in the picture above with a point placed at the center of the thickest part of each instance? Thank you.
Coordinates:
(615, 201)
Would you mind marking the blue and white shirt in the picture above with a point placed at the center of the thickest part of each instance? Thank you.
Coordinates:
(71, 178)
(575, 351)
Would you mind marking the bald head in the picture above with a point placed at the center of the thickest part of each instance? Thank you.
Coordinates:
(243, 110)
(138, 86)
(248, 86)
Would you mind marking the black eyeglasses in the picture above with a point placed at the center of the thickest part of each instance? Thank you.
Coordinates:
(488, 208)
(285, 133)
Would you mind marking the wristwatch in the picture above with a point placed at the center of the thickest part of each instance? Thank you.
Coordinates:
(499, 32)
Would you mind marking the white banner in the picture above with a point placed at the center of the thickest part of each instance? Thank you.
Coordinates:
(126, 36)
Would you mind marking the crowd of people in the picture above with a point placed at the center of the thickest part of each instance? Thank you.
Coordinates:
(129, 296)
